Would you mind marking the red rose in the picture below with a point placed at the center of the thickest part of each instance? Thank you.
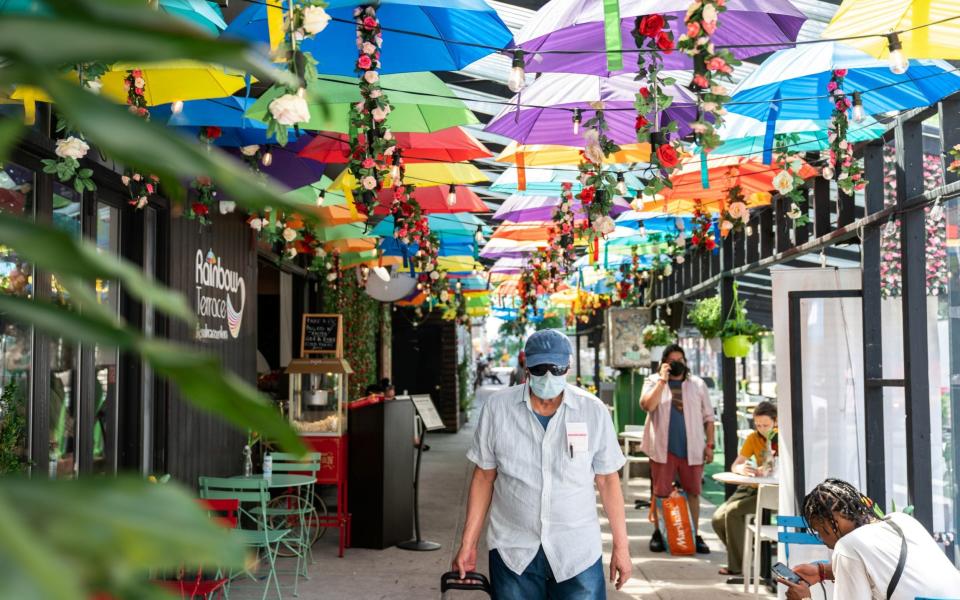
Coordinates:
(364, 62)
(667, 156)
(212, 132)
(200, 209)
(369, 23)
(645, 92)
(711, 244)
(665, 42)
(651, 25)
(695, 239)
(587, 194)
(641, 122)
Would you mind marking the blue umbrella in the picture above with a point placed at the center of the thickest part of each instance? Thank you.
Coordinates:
(653, 222)
(792, 84)
(202, 13)
(548, 181)
(444, 35)
(225, 113)
(447, 226)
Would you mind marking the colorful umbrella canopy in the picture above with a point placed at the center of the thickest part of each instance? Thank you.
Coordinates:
(236, 128)
(545, 181)
(538, 155)
(568, 25)
(288, 168)
(499, 248)
(865, 17)
(543, 112)
(418, 35)
(436, 199)
(796, 81)
(421, 103)
(447, 145)
(430, 174)
(523, 209)
(458, 225)
(746, 137)
(533, 231)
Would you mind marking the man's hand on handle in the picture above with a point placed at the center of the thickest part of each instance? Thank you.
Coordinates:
(466, 560)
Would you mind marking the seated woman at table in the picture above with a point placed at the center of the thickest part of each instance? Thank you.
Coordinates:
(728, 521)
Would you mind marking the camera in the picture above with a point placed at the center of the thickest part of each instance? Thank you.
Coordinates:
(677, 368)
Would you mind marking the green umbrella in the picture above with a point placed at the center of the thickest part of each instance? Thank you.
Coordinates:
(343, 232)
(431, 108)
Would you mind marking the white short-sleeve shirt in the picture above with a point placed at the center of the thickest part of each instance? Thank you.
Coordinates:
(544, 494)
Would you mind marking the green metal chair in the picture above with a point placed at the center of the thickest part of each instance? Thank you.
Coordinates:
(256, 492)
(296, 509)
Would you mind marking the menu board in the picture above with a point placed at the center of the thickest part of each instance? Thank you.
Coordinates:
(322, 334)
(428, 412)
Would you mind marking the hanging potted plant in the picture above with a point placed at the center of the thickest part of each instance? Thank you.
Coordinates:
(706, 316)
(656, 337)
(739, 333)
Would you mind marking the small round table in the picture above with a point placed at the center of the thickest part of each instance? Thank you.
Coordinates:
(745, 480)
(306, 529)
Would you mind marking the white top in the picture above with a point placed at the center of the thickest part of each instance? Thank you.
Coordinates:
(864, 561)
(542, 496)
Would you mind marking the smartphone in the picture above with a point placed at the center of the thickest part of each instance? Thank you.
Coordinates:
(786, 573)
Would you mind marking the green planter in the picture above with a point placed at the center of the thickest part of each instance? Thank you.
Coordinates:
(736, 346)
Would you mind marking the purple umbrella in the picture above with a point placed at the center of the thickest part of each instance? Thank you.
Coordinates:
(556, 95)
(288, 168)
(565, 25)
(509, 265)
(519, 208)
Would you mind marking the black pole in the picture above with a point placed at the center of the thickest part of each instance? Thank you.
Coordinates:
(418, 544)
(728, 372)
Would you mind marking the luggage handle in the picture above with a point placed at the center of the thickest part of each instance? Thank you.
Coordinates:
(473, 581)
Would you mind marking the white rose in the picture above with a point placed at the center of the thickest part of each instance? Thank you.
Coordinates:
(315, 19)
(368, 48)
(256, 224)
(289, 234)
(250, 150)
(844, 144)
(371, 77)
(291, 252)
(681, 259)
(434, 275)
(827, 172)
(290, 109)
(604, 225)
(444, 296)
(668, 270)
(378, 114)
(332, 277)
(321, 253)
(783, 182)
(709, 13)
(227, 207)
(72, 147)
(95, 86)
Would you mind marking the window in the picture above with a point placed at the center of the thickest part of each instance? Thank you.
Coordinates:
(106, 359)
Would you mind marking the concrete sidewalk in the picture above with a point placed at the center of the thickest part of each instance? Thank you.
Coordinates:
(395, 574)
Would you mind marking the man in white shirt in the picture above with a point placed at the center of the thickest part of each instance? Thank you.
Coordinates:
(539, 449)
(868, 549)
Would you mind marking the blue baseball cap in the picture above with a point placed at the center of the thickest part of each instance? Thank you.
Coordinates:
(547, 347)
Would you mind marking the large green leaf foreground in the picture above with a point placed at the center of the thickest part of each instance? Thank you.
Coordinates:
(61, 540)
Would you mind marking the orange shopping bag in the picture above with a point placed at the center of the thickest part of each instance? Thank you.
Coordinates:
(674, 515)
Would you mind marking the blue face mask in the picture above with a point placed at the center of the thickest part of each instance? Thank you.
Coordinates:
(547, 386)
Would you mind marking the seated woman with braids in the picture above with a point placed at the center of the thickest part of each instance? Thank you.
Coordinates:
(874, 557)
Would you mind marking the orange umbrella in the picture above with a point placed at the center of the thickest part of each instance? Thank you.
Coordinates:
(338, 215)
(352, 245)
(524, 232)
(754, 177)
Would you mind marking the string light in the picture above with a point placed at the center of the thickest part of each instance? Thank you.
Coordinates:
(452, 197)
(176, 107)
(891, 227)
(936, 212)
(858, 115)
(621, 185)
(577, 117)
(320, 196)
(267, 158)
(643, 230)
(518, 77)
(478, 236)
(898, 60)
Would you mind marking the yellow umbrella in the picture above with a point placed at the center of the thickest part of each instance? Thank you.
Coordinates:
(865, 17)
(542, 155)
(432, 174)
(456, 264)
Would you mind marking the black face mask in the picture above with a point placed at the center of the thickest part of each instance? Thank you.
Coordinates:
(677, 368)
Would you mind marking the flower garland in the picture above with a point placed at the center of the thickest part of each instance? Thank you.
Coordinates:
(629, 288)
(840, 162)
(411, 226)
(710, 66)
(653, 38)
(563, 233)
(66, 167)
(136, 86)
(735, 214)
(371, 141)
(701, 236)
(205, 199)
(139, 187)
(788, 182)
(431, 279)
(599, 186)
(328, 266)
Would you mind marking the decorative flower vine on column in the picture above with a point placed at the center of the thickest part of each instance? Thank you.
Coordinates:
(840, 162)
(701, 230)
(371, 141)
(735, 214)
(654, 39)
(71, 148)
(788, 182)
(630, 286)
(139, 187)
(710, 66)
(599, 186)
(564, 229)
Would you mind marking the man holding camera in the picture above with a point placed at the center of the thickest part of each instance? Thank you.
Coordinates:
(678, 435)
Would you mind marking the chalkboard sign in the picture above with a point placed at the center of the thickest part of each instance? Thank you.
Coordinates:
(322, 334)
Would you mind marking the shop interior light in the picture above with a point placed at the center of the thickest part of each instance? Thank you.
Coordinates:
(898, 60)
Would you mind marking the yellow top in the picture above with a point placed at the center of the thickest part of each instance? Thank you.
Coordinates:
(754, 446)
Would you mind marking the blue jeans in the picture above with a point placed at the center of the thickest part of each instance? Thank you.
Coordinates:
(537, 582)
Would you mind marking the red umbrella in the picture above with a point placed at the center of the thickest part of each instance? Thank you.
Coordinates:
(436, 199)
(447, 145)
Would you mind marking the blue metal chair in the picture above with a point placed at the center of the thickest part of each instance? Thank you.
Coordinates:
(800, 534)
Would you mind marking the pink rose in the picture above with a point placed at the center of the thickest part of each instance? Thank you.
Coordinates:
(709, 27)
(369, 23)
(840, 72)
(693, 29)
(364, 62)
(831, 86)
(369, 182)
(368, 163)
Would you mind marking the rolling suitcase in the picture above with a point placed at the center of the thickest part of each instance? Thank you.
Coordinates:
(473, 581)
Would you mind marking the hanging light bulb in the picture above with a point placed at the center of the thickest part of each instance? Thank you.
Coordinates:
(643, 230)
(898, 60)
(518, 78)
(478, 236)
(577, 117)
(320, 196)
(452, 197)
(176, 107)
(858, 115)
(936, 211)
(267, 159)
(749, 230)
(395, 174)
(621, 185)
(891, 227)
